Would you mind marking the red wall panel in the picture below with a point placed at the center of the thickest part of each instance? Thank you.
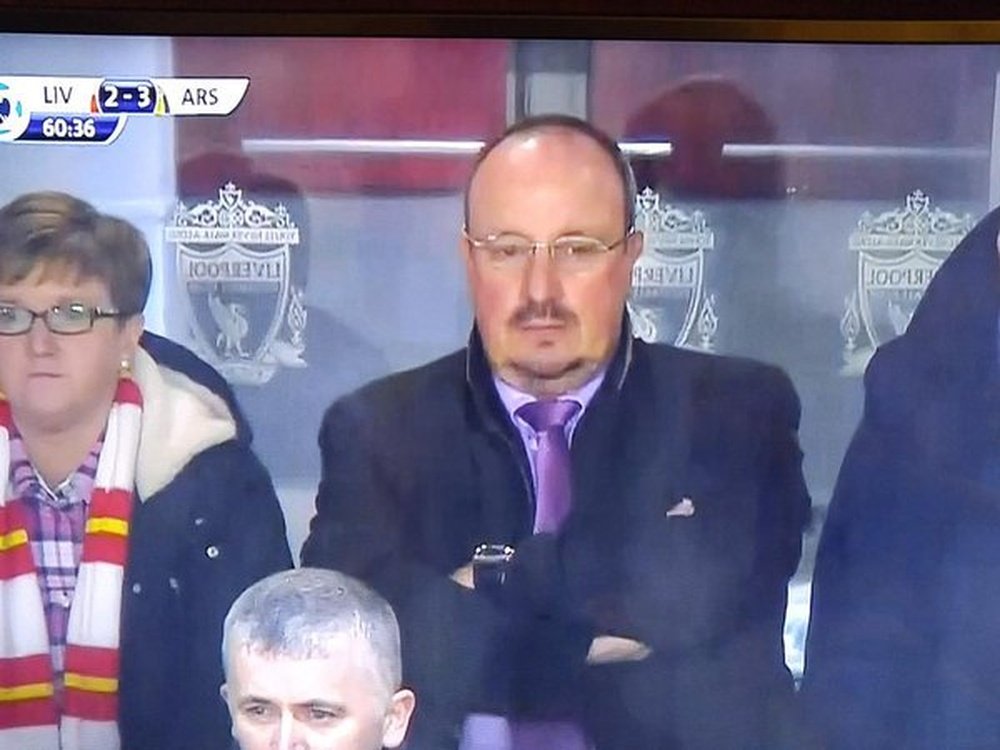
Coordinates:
(305, 88)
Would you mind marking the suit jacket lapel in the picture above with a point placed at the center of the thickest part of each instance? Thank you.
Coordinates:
(503, 487)
(498, 461)
(631, 449)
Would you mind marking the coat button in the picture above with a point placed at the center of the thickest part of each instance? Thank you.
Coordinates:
(199, 521)
(136, 588)
(212, 551)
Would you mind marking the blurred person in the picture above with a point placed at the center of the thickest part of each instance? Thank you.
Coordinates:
(312, 662)
(700, 115)
(901, 650)
(135, 510)
(587, 539)
(335, 357)
(743, 201)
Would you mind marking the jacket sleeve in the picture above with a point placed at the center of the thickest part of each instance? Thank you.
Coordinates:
(753, 639)
(869, 633)
(749, 637)
(449, 633)
(785, 510)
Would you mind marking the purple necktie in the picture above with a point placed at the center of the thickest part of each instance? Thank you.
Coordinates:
(552, 468)
(488, 732)
(552, 503)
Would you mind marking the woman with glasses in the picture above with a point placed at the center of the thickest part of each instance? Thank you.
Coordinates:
(134, 511)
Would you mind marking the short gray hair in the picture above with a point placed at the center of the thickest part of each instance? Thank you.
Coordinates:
(296, 614)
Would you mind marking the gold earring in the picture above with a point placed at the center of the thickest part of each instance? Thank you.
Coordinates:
(125, 368)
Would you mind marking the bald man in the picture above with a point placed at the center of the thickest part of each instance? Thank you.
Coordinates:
(587, 538)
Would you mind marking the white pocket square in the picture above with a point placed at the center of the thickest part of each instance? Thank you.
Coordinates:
(684, 508)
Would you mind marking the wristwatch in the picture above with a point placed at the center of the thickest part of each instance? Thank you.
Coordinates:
(489, 565)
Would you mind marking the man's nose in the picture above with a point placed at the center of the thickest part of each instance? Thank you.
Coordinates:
(542, 283)
(290, 735)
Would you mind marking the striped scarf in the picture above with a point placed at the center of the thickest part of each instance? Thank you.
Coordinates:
(29, 717)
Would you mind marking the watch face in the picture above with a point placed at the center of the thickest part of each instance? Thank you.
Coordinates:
(488, 577)
(492, 554)
(489, 565)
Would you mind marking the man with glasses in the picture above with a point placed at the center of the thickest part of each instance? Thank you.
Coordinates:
(133, 511)
(587, 539)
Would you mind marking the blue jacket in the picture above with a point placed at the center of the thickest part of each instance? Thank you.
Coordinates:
(206, 524)
(902, 647)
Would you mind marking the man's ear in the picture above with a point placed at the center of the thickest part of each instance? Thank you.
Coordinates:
(634, 245)
(224, 692)
(397, 718)
(465, 253)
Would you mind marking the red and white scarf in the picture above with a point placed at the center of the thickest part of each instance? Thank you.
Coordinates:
(29, 719)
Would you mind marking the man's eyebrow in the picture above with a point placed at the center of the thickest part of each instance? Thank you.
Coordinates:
(327, 704)
(253, 699)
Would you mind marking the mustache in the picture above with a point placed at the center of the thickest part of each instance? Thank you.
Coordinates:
(534, 311)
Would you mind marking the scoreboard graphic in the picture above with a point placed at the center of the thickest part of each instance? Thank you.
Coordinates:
(44, 109)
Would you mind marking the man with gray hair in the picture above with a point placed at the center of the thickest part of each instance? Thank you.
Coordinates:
(312, 662)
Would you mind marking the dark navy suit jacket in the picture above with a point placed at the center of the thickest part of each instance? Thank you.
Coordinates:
(902, 648)
(420, 467)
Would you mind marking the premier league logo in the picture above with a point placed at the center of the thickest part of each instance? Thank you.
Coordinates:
(14, 116)
(668, 300)
(898, 254)
(234, 261)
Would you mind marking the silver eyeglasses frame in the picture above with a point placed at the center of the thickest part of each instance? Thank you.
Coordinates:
(559, 249)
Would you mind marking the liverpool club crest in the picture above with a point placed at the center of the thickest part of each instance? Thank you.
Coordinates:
(234, 265)
(668, 301)
(898, 254)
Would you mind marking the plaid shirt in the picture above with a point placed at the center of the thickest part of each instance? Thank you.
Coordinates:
(55, 525)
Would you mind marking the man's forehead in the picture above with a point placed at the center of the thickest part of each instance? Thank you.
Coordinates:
(312, 646)
(549, 158)
(548, 140)
(250, 665)
(341, 653)
(545, 154)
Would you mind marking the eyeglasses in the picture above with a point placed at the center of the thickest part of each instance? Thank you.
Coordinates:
(571, 252)
(67, 320)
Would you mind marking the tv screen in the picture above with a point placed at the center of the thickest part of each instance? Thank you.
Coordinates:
(302, 199)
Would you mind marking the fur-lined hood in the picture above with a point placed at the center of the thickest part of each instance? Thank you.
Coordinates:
(180, 419)
(189, 407)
